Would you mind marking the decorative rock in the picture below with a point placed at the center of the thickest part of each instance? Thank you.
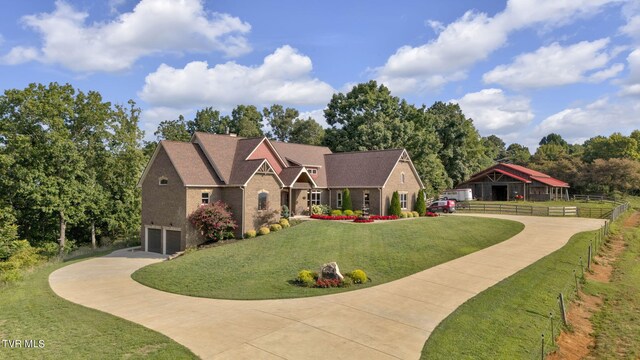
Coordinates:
(330, 271)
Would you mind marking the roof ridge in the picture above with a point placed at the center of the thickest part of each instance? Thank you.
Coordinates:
(292, 143)
(365, 151)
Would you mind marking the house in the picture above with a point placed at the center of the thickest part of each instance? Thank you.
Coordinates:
(503, 182)
(255, 177)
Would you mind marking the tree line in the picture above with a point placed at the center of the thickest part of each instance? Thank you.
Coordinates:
(70, 161)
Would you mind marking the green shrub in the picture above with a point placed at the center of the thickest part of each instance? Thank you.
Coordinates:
(359, 276)
(250, 234)
(348, 213)
(403, 215)
(346, 200)
(306, 278)
(394, 207)
(357, 213)
(415, 214)
(263, 230)
(421, 205)
(23, 257)
(337, 212)
(284, 223)
(275, 227)
(347, 282)
(294, 222)
(320, 209)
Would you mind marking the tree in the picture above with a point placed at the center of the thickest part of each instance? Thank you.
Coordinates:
(394, 207)
(518, 154)
(346, 200)
(246, 121)
(549, 152)
(613, 175)
(494, 148)
(48, 173)
(555, 139)
(421, 205)
(175, 130)
(462, 152)
(208, 120)
(307, 132)
(369, 118)
(615, 146)
(281, 121)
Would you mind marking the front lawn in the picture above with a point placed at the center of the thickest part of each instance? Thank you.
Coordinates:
(30, 310)
(262, 268)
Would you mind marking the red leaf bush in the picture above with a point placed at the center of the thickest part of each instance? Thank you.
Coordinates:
(214, 221)
(432, 214)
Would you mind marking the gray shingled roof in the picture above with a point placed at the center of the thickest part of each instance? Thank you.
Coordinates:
(190, 163)
(361, 169)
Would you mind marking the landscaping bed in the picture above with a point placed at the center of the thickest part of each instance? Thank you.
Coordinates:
(266, 267)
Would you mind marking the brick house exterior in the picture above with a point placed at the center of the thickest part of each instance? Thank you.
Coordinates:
(180, 176)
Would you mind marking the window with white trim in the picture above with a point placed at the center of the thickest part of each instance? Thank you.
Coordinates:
(403, 200)
(402, 178)
(263, 200)
(312, 171)
(205, 197)
(314, 198)
(339, 197)
(163, 181)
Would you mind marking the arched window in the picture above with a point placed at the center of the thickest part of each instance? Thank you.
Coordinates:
(163, 180)
(263, 200)
(402, 178)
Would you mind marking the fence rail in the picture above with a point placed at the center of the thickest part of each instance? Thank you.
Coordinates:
(575, 211)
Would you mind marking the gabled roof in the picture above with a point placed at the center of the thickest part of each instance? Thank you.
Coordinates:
(189, 162)
(220, 150)
(510, 169)
(305, 155)
(290, 175)
(361, 169)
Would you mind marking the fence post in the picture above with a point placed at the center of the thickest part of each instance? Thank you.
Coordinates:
(581, 266)
(589, 259)
(542, 351)
(575, 276)
(562, 313)
(552, 335)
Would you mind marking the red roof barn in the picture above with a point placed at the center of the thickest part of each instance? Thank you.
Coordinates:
(506, 181)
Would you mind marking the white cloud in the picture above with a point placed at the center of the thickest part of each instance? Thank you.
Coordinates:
(631, 86)
(493, 112)
(631, 11)
(602, 117)
(283, 77)
(472, 38)
(317, 115)
(154, 26)
(18, 55)
(556, 65)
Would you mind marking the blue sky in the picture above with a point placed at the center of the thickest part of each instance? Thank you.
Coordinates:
(520, 68)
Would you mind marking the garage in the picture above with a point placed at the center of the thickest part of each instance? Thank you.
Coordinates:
(172, 238)
(154, 240)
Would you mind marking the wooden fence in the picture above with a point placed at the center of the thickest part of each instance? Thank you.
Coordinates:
(598, 213)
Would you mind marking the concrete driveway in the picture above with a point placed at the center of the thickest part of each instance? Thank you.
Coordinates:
(388, 321)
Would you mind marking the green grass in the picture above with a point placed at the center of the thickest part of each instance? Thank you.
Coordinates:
(507, 320)
(263, 267)
(634, 201)
(29, 309)
(617, 324)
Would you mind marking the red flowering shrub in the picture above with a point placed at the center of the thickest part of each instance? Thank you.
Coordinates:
(214, 221)
(383, 217)
(432, 214)
(327, 283)
(332, 217)
(362, 219)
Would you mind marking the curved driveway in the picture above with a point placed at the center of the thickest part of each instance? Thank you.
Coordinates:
(388, 321)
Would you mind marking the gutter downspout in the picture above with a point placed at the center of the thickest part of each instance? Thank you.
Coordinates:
(380, 197)
(243, 212)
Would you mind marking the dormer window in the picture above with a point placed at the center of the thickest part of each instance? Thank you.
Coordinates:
(163, 181)
(312, 171)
